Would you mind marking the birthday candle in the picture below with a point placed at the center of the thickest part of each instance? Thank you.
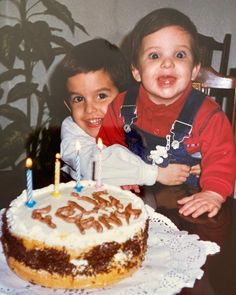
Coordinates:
(56, 192)
(29, 183)
(78, 186)
(99, 163)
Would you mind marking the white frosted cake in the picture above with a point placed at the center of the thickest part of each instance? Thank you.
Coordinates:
(77, 240)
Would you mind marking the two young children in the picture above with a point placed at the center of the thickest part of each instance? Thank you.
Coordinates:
(168, 126)
(94, 73)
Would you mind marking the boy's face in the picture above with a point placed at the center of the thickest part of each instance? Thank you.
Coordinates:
(165, 64)
(90, 94)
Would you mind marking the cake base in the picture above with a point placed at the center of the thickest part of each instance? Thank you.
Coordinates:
(49, 280)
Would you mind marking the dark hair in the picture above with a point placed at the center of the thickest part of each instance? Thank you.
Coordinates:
(156, 20)
(94, 55)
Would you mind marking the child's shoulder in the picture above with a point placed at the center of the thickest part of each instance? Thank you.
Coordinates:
(209, 109)
(119, 100)
(67, 121)
(210, 105)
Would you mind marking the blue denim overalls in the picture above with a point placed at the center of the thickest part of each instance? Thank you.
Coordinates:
(142, 143)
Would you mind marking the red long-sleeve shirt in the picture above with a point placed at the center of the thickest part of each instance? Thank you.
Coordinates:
(211, 135)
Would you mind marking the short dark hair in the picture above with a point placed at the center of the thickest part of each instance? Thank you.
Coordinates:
(98, 54)
(156, 20)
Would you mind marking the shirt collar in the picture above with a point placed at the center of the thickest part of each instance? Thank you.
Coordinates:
(147, 103)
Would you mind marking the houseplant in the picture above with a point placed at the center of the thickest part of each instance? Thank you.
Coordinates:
(25, 45)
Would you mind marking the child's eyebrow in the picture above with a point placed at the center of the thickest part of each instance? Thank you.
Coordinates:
(103, 89)
(184, 46)
(95, 90)
(151, 48)
(73, 93)
(159, 48)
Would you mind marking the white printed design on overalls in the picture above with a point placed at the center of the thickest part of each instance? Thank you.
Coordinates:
(161, 152)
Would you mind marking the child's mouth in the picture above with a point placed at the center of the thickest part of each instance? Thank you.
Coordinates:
(95, 122)
(166, 81)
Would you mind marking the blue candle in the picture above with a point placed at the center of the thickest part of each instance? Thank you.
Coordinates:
(78, 186)
(29, 184)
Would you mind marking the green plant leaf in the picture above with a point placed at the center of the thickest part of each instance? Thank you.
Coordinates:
(21, 90)
(59, 50)
(11, 74)
(13, 114)
(62, 42)
(13, 139)
(42, 97)
(61, 12)
(82, 28)
(1, 92)
(10, 38)
(38, 37)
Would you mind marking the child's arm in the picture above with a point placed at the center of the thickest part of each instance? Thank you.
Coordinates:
(217, 146)
(135, 188)
(196, 170)
(173, 174)
(122, 167)
(200, 203)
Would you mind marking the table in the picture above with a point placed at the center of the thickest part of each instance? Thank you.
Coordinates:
(220, 269)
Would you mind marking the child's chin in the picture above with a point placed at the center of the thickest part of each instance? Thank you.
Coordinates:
(93, 131)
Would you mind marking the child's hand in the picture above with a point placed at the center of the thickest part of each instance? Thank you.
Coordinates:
(200, 203)
(173, 174)
(196, 170)
(133, 187)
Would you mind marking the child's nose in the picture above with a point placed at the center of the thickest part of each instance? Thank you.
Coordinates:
(90, 107)
(167, 62)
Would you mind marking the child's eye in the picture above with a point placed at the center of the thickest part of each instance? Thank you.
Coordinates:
(180, 54)
(101, 96)
(77, 98)
(153, 55)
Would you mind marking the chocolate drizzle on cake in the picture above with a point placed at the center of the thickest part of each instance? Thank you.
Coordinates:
(99, 259)
(75, 213)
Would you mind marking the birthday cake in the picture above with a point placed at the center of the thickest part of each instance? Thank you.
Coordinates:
(88, 239)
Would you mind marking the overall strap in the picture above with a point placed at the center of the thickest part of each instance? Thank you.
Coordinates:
(182, 126)
(129, 110)
(191, 106)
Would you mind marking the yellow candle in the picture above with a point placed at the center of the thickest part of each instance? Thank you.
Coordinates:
(56, 192)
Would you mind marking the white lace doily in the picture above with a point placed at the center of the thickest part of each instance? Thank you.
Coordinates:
(173, 261)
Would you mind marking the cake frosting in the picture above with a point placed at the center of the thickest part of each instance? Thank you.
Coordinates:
(77, 240)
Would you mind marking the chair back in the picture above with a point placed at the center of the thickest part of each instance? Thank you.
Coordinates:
(208, 46)
(221, 88)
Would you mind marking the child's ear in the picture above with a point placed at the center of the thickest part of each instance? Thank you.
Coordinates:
(195, 71)
(135, 73)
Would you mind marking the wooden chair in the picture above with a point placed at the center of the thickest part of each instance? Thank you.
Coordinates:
(222, 88)
(208, 46)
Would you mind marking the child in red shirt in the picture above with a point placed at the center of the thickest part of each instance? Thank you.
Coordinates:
(164, 120)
